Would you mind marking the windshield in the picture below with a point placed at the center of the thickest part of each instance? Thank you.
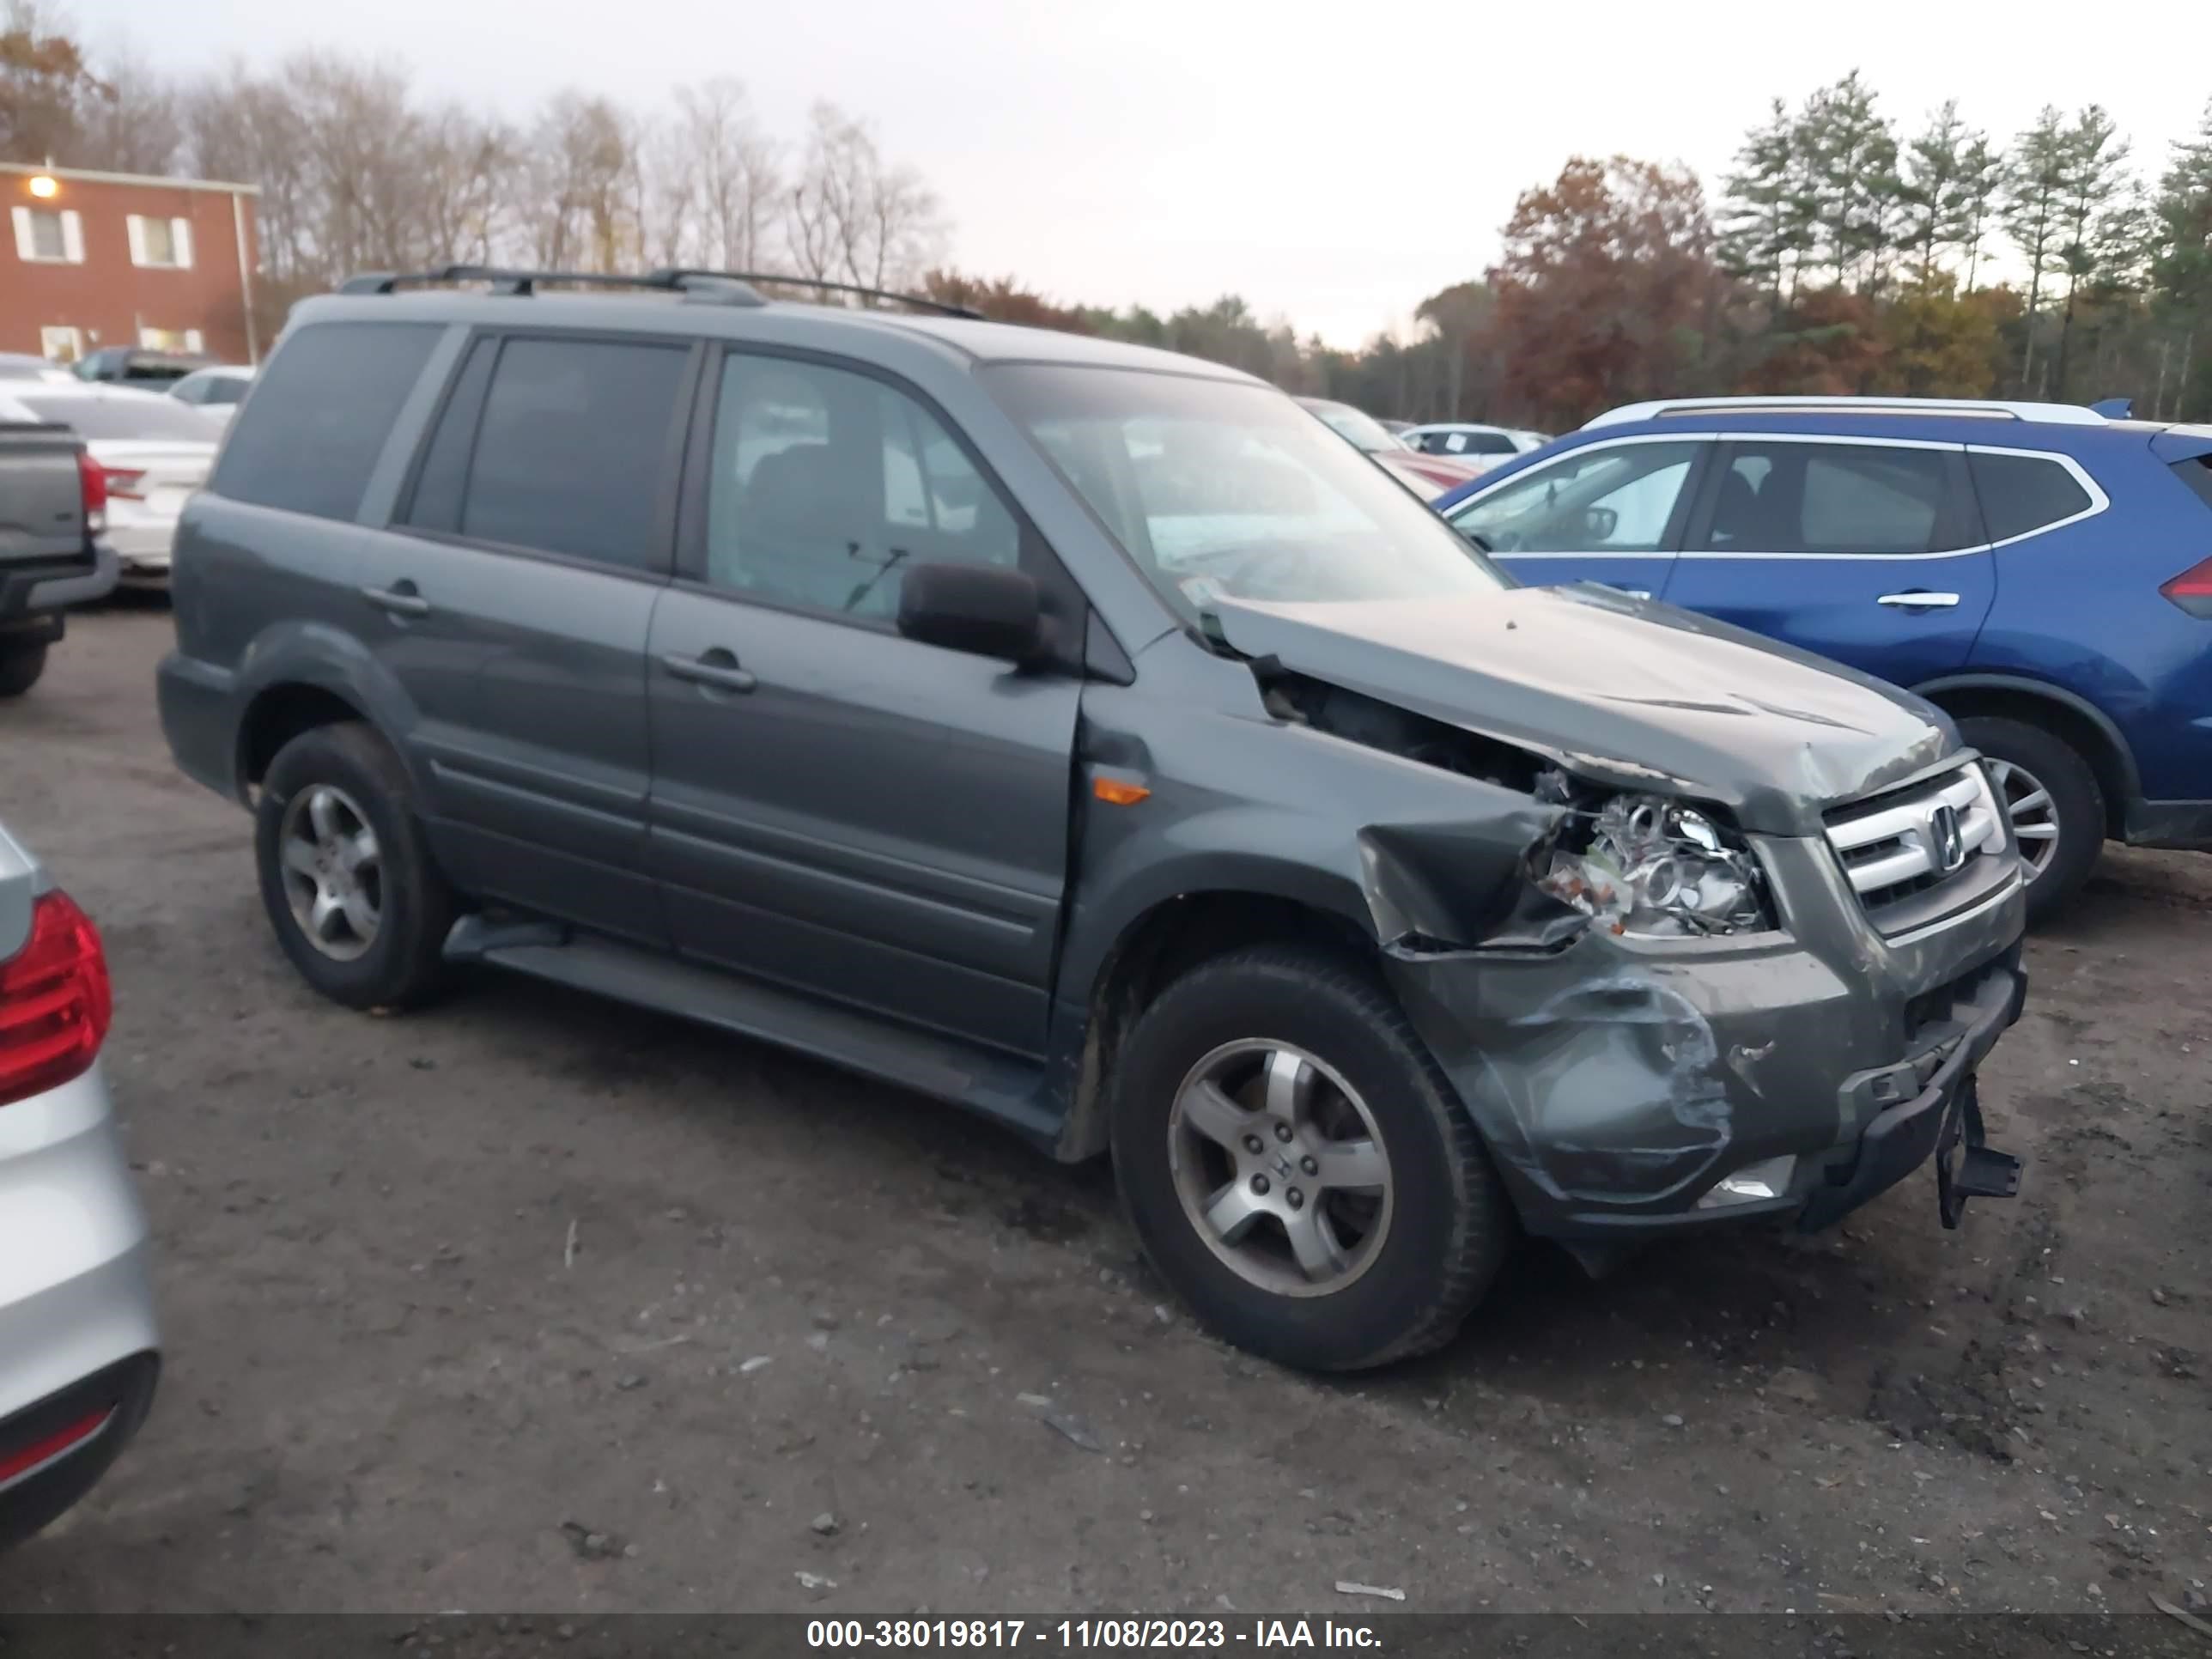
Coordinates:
(1218, 488)
(145, 414)
(1362, 431)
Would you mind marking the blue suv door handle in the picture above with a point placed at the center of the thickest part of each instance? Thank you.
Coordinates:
(1919, 600)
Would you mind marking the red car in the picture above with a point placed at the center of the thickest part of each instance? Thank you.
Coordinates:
(1426, 476)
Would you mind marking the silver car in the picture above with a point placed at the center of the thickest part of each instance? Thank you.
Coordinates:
(78, 1351)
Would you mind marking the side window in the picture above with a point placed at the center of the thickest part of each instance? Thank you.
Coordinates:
(445, 473)
(1615, 500)
(823, 483)
(572, 451)
(2023, 494)
(298, 447)
(1836, 498)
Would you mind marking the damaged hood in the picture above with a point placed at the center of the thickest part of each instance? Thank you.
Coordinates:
(1622, 691)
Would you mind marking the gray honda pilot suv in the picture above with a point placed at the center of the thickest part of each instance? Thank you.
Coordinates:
(1087, 736)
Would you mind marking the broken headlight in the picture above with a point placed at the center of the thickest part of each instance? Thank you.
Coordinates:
(1649, 865)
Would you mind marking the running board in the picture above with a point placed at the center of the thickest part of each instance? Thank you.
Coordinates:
(997, 1085)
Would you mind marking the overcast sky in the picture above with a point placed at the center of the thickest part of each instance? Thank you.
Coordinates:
(1333, 163)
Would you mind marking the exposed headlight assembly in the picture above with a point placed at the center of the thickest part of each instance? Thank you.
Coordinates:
(1652, 867)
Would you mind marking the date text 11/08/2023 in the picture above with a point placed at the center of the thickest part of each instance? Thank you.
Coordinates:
(1064, 1633)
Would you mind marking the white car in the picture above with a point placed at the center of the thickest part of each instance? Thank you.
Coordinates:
(152, 452)
(21, 365)
(215, 392)
(1482, 447)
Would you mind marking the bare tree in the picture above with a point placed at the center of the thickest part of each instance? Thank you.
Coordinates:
(667, 183)
(242, 127)
(854, 218)
(469, 164)
(581, 185)
(365, 144)
(734, 177)
(137, 127)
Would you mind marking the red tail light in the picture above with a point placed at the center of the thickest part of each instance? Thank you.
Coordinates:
(2192, 590)
(123, 482)
(55, 1001)
(92, 478)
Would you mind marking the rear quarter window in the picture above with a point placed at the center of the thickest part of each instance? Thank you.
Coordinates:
(2196, 473)
(310, 436)
(2023, 494)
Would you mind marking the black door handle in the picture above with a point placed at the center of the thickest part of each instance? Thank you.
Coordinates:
(717, 668)
(400, 600)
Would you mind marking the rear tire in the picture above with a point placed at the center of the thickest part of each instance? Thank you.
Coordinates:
(2053, 799)
(1408, 1255)
(19, 668)
(346, 874)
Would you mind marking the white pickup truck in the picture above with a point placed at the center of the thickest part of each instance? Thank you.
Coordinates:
(52, 511)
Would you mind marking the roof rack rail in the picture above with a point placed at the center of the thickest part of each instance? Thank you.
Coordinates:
(1992, 408)
(943, 308)
(701, 284)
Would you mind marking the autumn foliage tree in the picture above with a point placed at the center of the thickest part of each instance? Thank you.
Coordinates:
(1607, 290)
(46, 88)
(1003, 299)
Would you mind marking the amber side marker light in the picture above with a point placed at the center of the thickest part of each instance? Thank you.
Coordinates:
(1114, 792)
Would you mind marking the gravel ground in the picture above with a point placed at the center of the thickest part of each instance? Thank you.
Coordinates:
(534, 1302)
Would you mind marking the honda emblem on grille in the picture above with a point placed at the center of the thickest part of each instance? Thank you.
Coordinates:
(1944, 838)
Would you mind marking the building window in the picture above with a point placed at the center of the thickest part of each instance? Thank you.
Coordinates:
(61, 345)
(169, 339)
(163, 244)
(49, 236)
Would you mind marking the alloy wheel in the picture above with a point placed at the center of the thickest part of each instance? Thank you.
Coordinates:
(1280, 1167)
(2035, 815)
(333, 871)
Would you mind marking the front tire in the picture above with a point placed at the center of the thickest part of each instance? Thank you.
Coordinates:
(1296, 1167)
(19, 668)
(2057, 809)
(347, 878)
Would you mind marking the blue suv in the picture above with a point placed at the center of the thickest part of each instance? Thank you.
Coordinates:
(2040, 571)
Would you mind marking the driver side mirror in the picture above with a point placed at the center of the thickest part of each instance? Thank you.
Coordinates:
(984, 609)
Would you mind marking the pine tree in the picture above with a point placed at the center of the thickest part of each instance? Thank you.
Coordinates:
(1760, 220)
(1850, 153)
(1982, 171)
(2094, 157)
(2181, 266)
(2035, 187)
(1930, 189)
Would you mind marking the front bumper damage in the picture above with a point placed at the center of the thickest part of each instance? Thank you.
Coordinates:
(1617, 1079)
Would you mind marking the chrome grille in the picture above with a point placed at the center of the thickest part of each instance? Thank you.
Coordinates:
(1904, 851)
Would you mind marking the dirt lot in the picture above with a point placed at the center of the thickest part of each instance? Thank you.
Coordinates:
(395, 1384)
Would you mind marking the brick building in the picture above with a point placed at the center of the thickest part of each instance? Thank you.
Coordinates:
(94, 259)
